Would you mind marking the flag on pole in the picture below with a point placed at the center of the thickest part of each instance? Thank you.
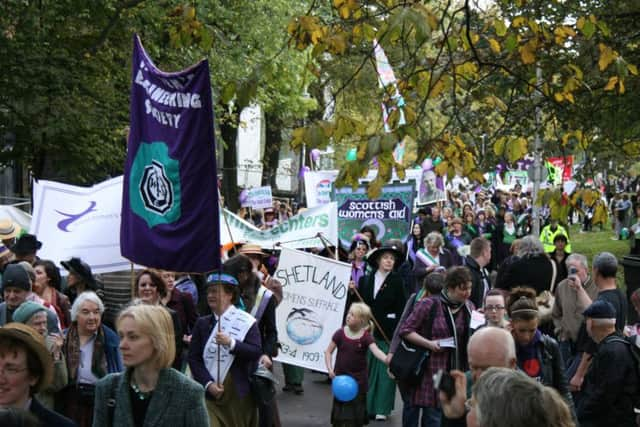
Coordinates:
(386, 77)
(170, 193)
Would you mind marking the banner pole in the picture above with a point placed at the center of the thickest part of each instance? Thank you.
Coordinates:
(133, 281)
(375, 321)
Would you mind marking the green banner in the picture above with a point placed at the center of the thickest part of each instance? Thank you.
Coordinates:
(390, 215)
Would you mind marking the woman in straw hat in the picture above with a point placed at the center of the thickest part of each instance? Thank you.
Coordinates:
(25, 369)
(149, 392)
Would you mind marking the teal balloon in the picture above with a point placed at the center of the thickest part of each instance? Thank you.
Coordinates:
(352, 154)
(437, 161)
(624, 233)
(344, 388)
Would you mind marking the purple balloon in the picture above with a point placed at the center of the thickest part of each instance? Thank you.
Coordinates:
(427, 164)
(303, 170)
(243, 196)
(315, 155)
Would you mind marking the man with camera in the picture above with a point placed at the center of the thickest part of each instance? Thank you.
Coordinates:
(573, 295)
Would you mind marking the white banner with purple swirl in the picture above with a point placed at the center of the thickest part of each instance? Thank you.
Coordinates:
(314, 296)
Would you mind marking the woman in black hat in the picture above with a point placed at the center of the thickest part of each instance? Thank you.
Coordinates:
(80, 279)
(382, 290)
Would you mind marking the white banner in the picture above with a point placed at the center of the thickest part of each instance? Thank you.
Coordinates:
(259, 198)
(317, 184)
(80, 222)
(314, 297)
(84, 222)
(299, 231)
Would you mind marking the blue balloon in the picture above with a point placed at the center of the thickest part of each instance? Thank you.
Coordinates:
(344, 388)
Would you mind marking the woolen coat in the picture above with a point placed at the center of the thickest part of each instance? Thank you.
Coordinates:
(177, 401)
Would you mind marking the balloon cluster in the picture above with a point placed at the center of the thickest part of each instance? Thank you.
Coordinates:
(429, 163)
(303, 170)
(315, 155)
(244, 194)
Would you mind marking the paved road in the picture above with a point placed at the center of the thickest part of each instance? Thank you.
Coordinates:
(313, 408)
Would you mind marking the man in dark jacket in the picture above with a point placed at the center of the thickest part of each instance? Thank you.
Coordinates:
(434, 222)
(479, 257)
(612, 383)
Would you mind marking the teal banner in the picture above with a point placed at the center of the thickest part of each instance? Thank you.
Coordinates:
(389, 216)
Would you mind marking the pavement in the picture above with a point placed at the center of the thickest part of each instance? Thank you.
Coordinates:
(313, 407)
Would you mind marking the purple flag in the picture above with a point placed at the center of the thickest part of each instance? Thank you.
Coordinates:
(170, 217)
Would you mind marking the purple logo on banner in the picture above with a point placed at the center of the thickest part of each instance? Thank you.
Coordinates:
(170, 192)
(71, 218)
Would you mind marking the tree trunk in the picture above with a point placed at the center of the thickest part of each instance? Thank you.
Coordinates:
(272, 149)
(229, 133)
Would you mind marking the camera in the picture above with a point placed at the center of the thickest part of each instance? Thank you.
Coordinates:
(573, 270)
(443, 381)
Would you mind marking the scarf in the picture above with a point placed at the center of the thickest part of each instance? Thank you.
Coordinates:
(453, 305)
(528, 357)
(71, 349)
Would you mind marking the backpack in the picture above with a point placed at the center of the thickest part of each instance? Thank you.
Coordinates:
(633, 344)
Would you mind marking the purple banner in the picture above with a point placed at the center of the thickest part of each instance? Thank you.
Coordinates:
(170, 192)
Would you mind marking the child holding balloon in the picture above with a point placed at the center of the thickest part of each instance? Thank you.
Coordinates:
(350, 379)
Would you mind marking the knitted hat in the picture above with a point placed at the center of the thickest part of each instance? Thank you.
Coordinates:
(26, 310)
(15, 276)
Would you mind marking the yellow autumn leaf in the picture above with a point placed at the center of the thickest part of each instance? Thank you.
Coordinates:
(436, 89)
(432, 20)
(621, 86)
(611, 83)
(442, 167)
(632, 69)
(558, 96)
(569, 97)
(345, 12)
(498, 146)
(527, 53)
(607, 56)
(501, 29)
(580, 23)
(338, 3)
(519, 22)
(495, 46)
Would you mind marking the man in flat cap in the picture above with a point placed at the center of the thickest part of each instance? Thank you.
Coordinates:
(612, 384)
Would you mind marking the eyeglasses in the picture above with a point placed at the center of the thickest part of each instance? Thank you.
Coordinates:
(493, 307)
(11, 371)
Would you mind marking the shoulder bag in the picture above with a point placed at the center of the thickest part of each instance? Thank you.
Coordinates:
(409, 361)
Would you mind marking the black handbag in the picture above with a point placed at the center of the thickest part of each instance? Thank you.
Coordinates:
(410, 361)
(263, 386)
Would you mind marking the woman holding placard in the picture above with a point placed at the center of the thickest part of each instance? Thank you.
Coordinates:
(225, 348)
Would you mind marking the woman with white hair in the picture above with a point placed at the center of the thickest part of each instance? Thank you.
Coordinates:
(433, 257)
(91, 349)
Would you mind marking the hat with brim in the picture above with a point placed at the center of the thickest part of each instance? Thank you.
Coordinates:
(251, 249)
(34, 343)
(217, 278)
(26, 244)
(9, 229)
(373, 257)
(80, 269)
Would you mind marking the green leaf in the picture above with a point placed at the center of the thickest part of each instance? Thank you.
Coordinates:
(511, 43)
(588, 29)
(501, 28)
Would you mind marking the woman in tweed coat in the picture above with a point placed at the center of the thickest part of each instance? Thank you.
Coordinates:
(150, 392)
(450, 314)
